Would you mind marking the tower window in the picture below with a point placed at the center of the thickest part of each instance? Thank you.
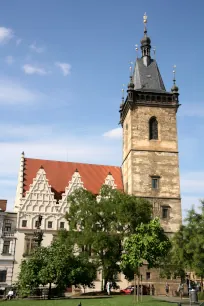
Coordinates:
(155, 182)
(126, 126)
(153, 128)
(165, 212)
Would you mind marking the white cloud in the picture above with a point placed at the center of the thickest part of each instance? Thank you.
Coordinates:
(9, 59)
(65, 68)
(36, 49)
(31, 131)
(114, 134)
(5, 35)
(29, 69)
(12, 93)
(47, 142)
(18, 41)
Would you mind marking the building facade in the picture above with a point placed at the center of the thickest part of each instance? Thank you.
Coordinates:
(150, 167)
(7, 245)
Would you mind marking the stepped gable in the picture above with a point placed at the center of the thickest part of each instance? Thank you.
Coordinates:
(59, 174)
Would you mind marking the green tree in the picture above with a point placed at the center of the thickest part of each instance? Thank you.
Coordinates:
(149, 243)
(188, 246)
(56, 264)
(98, 225)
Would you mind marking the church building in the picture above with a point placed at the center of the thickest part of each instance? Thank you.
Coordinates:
(150, 165)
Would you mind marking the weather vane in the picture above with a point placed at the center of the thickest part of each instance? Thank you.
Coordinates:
(136, 49)
(145, 21)
(174, 74)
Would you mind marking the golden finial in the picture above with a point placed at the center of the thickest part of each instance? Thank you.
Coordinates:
(136, 49)
(154, 50)
(174, 74)
(130, 68)
(145, 18)
(145, 23)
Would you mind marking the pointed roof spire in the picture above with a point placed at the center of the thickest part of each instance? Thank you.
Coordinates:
(145, 44)
(131, 84)
(174, 88)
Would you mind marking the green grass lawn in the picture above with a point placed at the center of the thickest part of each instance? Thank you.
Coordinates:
(113, 301)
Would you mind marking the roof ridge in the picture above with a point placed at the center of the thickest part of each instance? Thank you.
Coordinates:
(71, 162)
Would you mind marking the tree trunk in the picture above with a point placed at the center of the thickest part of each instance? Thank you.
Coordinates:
(49, 291)
(138, 285)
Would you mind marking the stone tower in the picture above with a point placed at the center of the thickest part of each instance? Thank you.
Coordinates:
(150, 145)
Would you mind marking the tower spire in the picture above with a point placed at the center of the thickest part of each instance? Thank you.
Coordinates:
(174, 88)
(146, 44)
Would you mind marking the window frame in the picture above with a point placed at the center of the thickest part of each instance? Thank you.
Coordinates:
(22, 223)
(62, 227)
(3, 275)
(155, 178)
(167, 210)
(48, 223)
(7, 226)
(148, 276)
(6, 245)
(153, 120)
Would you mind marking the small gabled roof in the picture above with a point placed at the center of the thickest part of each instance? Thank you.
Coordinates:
(59, 174)
(147, 78)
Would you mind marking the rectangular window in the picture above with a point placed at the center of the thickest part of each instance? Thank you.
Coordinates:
(36, 223)
(155, 182)
(7, 226)
(165, 212)
(61, 224)
(29, 245)
(49, 224)
(3, 276)
(24, 223)
(148, 275)
(6, 247)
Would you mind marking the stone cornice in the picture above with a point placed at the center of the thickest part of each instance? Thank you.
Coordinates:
(141, 150)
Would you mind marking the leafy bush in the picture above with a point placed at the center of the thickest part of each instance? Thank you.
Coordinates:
(200, 296)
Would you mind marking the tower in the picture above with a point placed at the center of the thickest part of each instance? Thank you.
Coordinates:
(150, 146)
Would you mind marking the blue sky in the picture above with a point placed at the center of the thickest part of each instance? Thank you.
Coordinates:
(62, 66)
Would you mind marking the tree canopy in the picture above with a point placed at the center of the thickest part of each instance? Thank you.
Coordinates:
(98, 225)
(149, 243)
(187, 251)
(56, 264)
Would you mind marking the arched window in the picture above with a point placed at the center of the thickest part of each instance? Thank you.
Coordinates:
(153, 128)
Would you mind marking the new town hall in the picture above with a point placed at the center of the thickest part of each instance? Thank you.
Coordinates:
(150, 166)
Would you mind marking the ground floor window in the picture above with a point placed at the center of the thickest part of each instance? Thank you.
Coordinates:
(3, 276)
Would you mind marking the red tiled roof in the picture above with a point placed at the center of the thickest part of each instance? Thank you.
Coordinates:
(3, 204)
(60, 173)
